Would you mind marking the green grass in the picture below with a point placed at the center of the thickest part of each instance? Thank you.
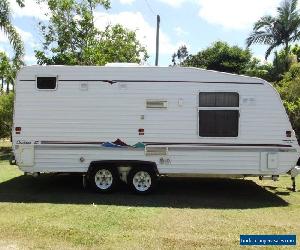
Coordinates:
(55, 212)
(5, 150)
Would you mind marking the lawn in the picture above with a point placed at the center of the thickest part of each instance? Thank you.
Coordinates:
(54, 211)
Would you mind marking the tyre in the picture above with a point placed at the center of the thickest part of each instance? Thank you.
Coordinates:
(142, 180)
(104, 179)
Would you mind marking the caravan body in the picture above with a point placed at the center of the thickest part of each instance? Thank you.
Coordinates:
(184, 121)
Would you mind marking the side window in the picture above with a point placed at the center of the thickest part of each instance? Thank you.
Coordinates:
(46, 83)
(218, 114)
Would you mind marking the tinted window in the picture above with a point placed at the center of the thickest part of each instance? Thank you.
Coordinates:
(46, 82)
(218, 123)
(218, 99)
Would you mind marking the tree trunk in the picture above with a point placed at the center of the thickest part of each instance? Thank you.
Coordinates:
(2, 84)
(7, 87)
(286, 55)
(276, 61)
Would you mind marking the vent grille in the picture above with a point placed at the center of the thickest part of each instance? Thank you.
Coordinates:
(157, 104)
(156, 151)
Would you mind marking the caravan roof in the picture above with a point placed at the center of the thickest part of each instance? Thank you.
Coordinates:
(134, 74)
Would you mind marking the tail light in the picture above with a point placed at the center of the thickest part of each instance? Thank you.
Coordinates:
(18, 130)
(141, 131)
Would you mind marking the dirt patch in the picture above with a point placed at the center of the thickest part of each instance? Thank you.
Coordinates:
(9, 245)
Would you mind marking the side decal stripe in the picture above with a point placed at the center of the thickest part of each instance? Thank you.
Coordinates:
(174, 144)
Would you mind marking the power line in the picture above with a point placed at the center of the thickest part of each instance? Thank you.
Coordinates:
(150, 8)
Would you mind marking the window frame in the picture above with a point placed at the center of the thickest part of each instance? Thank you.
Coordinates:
(36, 84)
(219, 109)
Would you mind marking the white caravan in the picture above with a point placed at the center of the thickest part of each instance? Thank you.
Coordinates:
(135, 123)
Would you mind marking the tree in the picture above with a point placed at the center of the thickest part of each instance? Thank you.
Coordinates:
(116, 44)
(282, 29)
(8, 71)
(283, 62)
(181, 54)
(220, 56)
(4, 64)
(262, 70)
(70, 37)
(295, 51)
(6, 114)
(7, 27)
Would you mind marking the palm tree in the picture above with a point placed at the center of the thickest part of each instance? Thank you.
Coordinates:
(8, 28)
(283, 29)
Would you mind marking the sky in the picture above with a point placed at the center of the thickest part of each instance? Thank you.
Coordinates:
(194, 23)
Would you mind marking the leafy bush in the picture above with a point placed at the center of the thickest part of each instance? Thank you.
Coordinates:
(293, 109)
(6, 114)
(289, 89)
(261, 70)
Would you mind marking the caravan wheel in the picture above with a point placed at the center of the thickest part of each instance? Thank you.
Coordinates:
(104, 179)
(142, 180)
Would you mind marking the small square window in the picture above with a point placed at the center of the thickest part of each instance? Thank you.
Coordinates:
(46, 82)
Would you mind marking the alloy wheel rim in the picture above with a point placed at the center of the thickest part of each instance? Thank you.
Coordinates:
(142, 181)
(103, 179)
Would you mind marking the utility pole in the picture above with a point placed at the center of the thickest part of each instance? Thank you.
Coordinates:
(157, 40)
